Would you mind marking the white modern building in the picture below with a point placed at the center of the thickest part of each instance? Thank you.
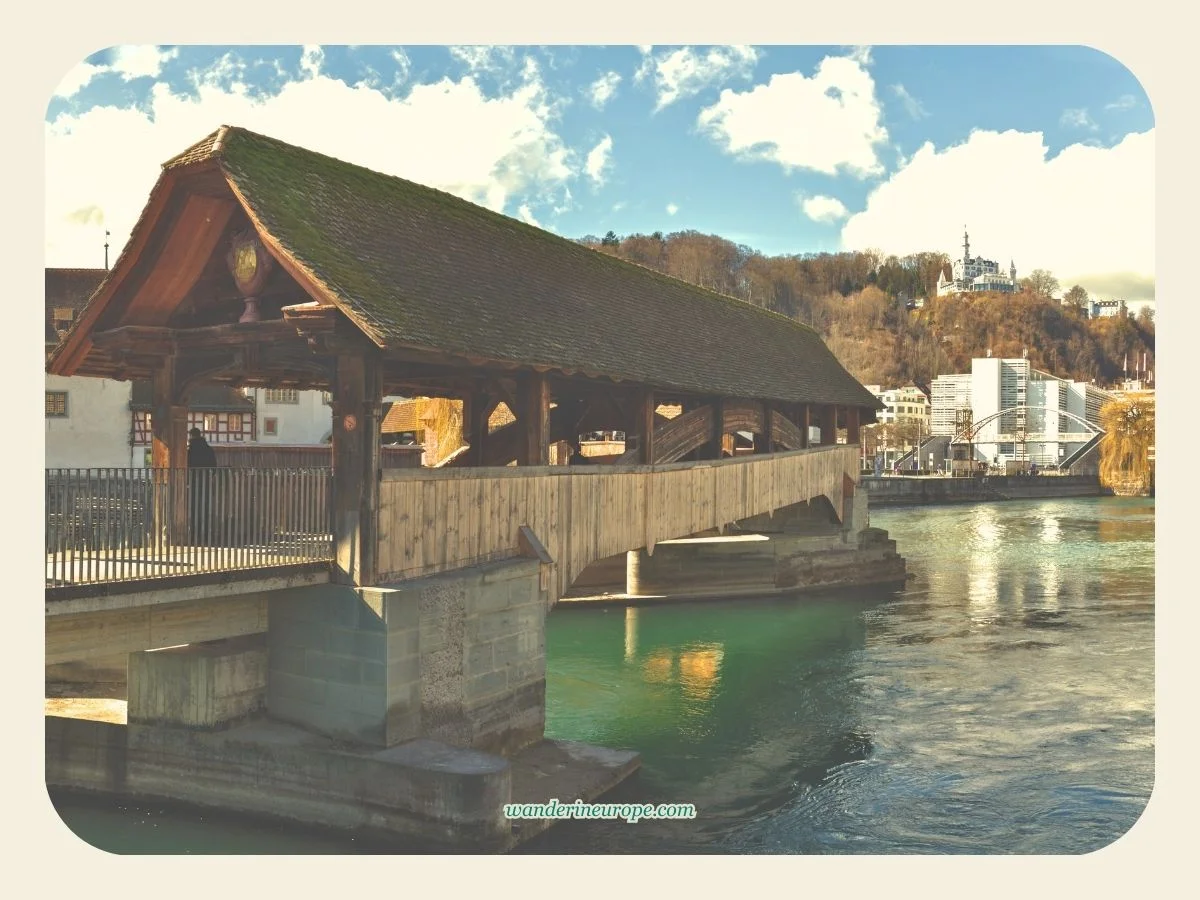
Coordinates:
(974, 273)
(1027, 406)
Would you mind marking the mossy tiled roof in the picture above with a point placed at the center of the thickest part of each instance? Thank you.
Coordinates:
(417, 267)
(68, 289)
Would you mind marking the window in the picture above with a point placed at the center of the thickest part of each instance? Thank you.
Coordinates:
(223, 427)
(282, 395)
(56, 404)
(270, 425)
(63, 317)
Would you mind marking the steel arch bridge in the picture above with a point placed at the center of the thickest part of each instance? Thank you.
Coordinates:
(971, 432)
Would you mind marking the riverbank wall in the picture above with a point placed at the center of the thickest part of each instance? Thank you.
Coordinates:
(922, 490)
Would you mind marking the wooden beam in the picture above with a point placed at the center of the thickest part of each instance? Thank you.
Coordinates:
(535, 415)
(829, 417)
(168, 452)
(646, 407)
(716, 445)
(852, 432)
(478, 407)
(357, 397)
(190, 244)
(805, 421)
(763, 440)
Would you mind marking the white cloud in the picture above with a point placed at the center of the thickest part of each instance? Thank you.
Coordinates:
(603, 89)
(134, 61)
(911, 104)
(140, 61)
(484, 58)
(687, 71)
(672, 209)
(861, 55)
(77, 79)
(403, 66)
(820, 208)
(1077, 118)
(825, 123)
(619, 205)
(1087, 215)
(311, 58)
(525, 214)
(492, 150)
(1122, 103)
(598, 160)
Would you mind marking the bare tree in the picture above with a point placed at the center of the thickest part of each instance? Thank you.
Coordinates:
(1041, 283)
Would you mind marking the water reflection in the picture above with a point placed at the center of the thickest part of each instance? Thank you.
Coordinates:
(700, 671)
(982, 573)
(1051, 532)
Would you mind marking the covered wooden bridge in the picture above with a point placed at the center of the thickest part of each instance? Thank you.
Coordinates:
(259, 263)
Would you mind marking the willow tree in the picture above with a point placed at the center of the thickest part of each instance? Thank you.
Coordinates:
(1125, 449)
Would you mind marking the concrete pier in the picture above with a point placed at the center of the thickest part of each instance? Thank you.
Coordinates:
(410, 712)
(803, 547)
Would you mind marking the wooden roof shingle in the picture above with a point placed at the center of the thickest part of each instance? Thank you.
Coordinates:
(417, 267)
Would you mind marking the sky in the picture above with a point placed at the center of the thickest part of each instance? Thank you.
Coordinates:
(1045, 154)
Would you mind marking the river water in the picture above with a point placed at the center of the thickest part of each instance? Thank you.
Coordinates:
(1002, 703)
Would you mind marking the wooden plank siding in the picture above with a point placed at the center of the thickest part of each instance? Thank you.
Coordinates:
(437, 520)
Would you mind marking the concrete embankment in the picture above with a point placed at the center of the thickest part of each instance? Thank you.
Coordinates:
(406, 713)
(902, 490)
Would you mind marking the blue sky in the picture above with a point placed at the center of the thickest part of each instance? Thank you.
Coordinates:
(1045, 153)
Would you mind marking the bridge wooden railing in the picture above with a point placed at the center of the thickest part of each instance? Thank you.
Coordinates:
(438, 520)
(105, 525)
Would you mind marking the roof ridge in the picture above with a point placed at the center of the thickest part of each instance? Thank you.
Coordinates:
(226, 130)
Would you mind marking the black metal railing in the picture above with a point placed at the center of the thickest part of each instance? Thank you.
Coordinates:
(127, 524)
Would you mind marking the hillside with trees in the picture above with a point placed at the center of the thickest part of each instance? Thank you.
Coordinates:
(862, 304)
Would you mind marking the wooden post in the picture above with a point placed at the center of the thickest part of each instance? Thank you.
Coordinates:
(645, 426)
(168, 450)
(535, 419)
(357, 400)
(372, 468)
(828, 424)
(718, 428)
(805, 422)
(853, 436)
(763, 442)
(477, 407)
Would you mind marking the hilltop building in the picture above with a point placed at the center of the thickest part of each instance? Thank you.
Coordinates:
(974, 273)
(1103, 309)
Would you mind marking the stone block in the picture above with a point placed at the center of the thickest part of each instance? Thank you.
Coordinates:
(367, 700)
(480, 659)
(296, 687)
(203, 686)
(488, 626)
(485, 685)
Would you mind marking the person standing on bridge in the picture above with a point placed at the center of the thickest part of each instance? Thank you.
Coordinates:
(200, 486)
(200, 455)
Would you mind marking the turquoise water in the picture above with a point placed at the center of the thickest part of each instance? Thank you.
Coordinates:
(1002, 703)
